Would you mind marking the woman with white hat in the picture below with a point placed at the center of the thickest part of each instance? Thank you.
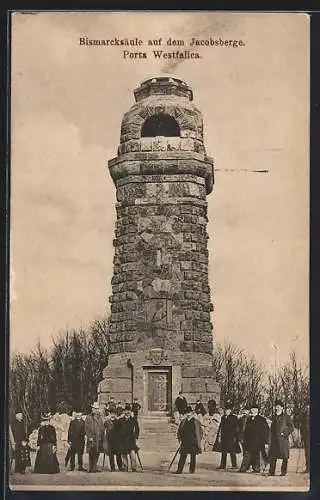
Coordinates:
(46, 460)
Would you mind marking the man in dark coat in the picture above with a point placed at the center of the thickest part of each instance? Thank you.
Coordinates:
(181, 404)
(281, 428)
(128, 432)
(189, 436)
(76, 439)
(255, 437)
(304, 429)
(111, 406)
(112, 440)
(119, 409)
(136, 407)
(229, 436)
(212, 407)
(94, 428)
(68, 454)
(199, 408)
(244, 415)
(21, 447)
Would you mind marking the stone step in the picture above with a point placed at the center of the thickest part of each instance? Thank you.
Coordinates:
(161, 438)
(157, 429)
(157, 434)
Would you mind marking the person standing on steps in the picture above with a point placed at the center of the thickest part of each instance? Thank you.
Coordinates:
(227, 440)
(181, 404)
(119, 408)
(212, 407)
(94, 429)
(189, 436)
(199, 408)
(76, 439)
(136, 407)
(281, 428)
(111, 405)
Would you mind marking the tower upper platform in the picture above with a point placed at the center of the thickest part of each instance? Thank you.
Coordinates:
(162, 133)
(163, 85)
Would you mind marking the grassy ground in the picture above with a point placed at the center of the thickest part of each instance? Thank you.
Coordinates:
(155, 475)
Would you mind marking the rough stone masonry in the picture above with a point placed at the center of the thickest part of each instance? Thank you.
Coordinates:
(160, 337)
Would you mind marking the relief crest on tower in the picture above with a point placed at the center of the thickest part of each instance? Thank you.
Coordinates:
(156, 356)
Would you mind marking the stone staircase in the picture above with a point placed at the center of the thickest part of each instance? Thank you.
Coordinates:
(157, 434)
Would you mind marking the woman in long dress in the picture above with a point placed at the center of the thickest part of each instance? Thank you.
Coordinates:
(46, 460)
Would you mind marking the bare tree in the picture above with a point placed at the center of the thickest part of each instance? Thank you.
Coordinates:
(78, 358)
(62, 378)
(291, 384)
(239, 374)
(29, 384)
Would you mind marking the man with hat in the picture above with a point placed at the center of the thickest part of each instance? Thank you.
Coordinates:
(119, 408)
(111, 406)
(76, 439)
(112, 440)
(128, 433)
(94, 429)
(68, 454)
(255, 437)
(189, 435)
(281, 428)
(181, 404)
(228, 437)
(243, 417)
(136, 407)
(21, 446)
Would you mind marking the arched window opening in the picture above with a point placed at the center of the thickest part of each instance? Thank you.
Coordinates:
(160, 124)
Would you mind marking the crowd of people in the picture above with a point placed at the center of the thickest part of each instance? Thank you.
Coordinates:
(111, 429)
(248, 433)
(114, 430)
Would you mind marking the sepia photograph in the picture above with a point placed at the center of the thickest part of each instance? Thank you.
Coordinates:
(159, 251)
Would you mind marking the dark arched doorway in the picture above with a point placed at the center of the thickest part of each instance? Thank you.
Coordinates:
(160, 125)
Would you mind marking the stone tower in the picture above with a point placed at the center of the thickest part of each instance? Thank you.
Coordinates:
(160, 333)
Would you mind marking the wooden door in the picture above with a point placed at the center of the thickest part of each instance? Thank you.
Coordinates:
(158, 391)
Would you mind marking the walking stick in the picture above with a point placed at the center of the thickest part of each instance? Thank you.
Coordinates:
(264, 467)
(298, 461)
(103, 460)
(265, 459)
(176, 453)
(138, 456)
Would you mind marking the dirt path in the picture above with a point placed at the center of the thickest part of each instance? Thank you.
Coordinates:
(155, 475)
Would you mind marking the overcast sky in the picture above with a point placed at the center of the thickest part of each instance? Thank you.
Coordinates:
(67, 105)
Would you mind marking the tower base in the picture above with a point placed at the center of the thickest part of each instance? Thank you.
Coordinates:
(155, 377)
